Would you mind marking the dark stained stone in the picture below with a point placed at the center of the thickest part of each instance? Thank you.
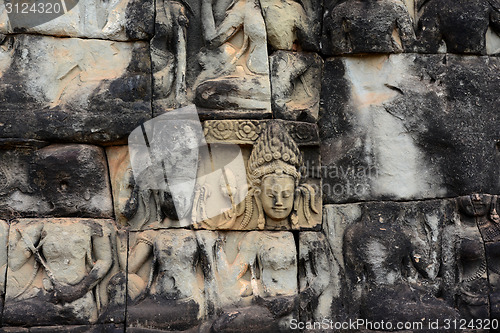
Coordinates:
(71, 89)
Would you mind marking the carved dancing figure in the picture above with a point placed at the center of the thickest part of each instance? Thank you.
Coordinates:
(55, 265)
(236, 70)
(170, 289)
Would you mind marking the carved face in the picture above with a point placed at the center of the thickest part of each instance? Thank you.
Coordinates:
(277, 196)
(481, 204)
(475, 205)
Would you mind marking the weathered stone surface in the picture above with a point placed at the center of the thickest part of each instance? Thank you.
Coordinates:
(120, 20)
(78, 329)
(226, 47)
(291, 25)
(122, 180)
(53, 180)
(229, 75)
(243, 275)
(467, 27)
(476, 256)
(73, 89)
(321, 280)
(296, 85)
(4, 239)
(172, 178)
(16, 194)
(72, 180)
(395, 258)
(408, 261)
(14, 330)
(373, 26)
(64, 277)
(173, 298)
(431, 132)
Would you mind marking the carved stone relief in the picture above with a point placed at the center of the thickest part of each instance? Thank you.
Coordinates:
(248, 131)
(122, 181)
(220, 197)
(63, 277)
(477, 257)
(391, 255)
(120, 20)
(296, 85)
(64, 88)
(321, 279)
(178, 277)
(447, 26)
(405, 261)
(291, 25)
(367, 26)
(165, 287)
(226, 44)
(274, 192)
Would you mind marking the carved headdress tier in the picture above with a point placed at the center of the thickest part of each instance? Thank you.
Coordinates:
(275, 152)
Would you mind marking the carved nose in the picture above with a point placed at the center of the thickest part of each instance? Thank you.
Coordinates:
(279, 201)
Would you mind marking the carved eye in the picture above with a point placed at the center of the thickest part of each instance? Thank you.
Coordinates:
(286, 194)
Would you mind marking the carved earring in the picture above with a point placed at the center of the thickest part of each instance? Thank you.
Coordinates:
(493, 213)
(294, 216)
(261, 220)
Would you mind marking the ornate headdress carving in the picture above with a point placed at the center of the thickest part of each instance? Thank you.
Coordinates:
(274, 151)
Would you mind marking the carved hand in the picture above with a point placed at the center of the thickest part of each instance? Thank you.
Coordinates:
(65, 293)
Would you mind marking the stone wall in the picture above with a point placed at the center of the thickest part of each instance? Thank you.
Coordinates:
(249, 166)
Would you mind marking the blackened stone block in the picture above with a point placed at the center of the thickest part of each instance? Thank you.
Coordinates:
(358, 26)
(429, 132)
(391, 254)
(17, 197)
(291, 25)
(73, 89)
(72, 180)
(56, 180)
(457, 26)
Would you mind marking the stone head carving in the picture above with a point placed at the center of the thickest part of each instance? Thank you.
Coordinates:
(274, 174)
(476, 205)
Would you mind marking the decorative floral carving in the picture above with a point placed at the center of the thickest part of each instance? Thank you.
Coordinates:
(248, 130)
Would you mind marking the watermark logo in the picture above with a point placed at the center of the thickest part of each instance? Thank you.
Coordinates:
(25, 14)
(170, 157)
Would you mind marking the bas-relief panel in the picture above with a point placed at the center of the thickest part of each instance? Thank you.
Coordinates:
(413, 261)
(228, 72)
(66, 266)
(435, 26)
(243, 175)
(179, 278)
